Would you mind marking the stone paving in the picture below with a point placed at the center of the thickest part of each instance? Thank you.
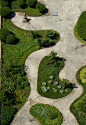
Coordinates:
(68, 47)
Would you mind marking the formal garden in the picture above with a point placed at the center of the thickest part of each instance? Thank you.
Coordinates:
(17, 44)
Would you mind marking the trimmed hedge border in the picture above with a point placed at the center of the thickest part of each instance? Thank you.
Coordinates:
(23, 58)
(72, 108)
(77, 35)
(45, 120)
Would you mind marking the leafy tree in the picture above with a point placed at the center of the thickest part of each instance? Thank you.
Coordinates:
(52, 56)
(3, 33)
(3, 3)
(31, 3)
(20, 2)
(40, 7)
(64, 83)
(50, 34)
(4, 11)
(7, 113)
(10, 39)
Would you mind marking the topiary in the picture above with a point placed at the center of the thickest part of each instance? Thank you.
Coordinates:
(31, 3)
(10, 39)
(4, 11)
(3, 33)
(40, 7)
(20, 2)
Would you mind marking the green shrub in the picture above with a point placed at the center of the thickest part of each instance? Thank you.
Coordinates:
(4, 11)
(3, 33)
(55, 83)
(44, 89)
(40, 7)
(50, 34)
(7, 113)
(44, 83)
(51, 77)
(14, 5)
(81, 27)
(31, 3)
(53, 116)
(3, 3)
(10, 39)
(34, 34)
(20, 2)
(50, 81)
(45, 42)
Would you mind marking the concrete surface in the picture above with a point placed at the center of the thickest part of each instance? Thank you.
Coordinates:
(67, 47)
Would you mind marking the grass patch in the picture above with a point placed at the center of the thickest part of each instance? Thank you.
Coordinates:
(79, 113)
(53, 115)
(44, 72)
(80, 28)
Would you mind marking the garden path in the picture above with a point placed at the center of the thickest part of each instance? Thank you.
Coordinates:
(68, 47)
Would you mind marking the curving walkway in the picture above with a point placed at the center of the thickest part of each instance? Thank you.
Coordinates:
(68, 47)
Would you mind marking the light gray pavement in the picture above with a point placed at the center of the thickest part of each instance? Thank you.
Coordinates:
(67, 47)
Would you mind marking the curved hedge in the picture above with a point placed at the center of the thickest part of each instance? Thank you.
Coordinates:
(77, 107)
(46, 114)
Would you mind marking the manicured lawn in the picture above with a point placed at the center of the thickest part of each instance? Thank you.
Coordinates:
(78, 107)
(44, 72)
(80, 28)
(46, 114)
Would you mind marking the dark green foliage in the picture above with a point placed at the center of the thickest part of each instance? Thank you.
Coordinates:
(16, 79)
(34, 34)
(4, 11)
(7, 113)
(3, 34)
(50, 34)
(45, 120)
(3, 3)
(45, 42)
(31, 3)
(10, 39)
(81, 27)
(40, 7)
(14, 5)
(41, 111)
(53, 116)
(44, 72)
(20, 2)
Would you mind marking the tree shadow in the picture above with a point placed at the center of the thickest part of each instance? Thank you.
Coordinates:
(46, 10)
(12, 15)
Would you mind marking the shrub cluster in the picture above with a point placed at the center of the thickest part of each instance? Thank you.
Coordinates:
(3, 34)
(40, 7)
(20, 2)
(7, 113)
(10, 39)
(4, 11)
(45, 42)
(50, 34)
(3, 3)
(31, 3)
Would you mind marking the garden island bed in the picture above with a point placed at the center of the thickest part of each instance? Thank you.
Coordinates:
(49, 85)
(46, 114)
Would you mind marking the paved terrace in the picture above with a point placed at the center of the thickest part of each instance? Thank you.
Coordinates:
(68, 47)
